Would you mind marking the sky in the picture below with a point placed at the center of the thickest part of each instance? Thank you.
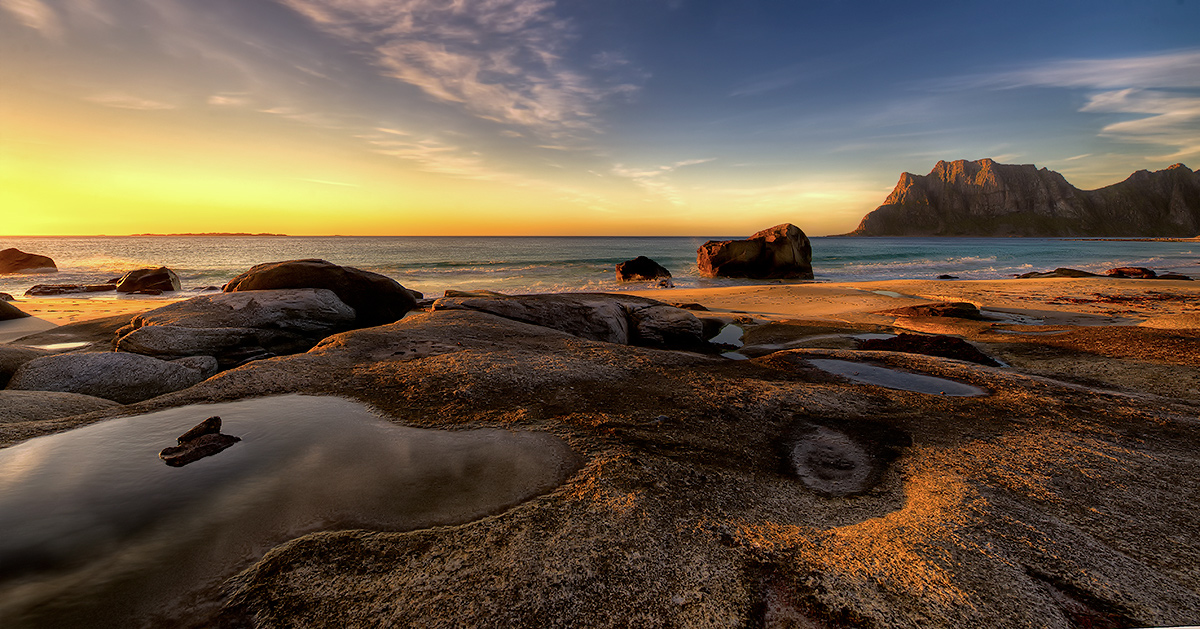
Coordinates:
(564, 117)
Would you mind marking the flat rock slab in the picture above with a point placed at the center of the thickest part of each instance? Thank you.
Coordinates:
(22, 406)
(303, 310)
(117, 376)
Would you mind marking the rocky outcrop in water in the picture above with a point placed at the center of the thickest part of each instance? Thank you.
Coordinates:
(50, 290)
(781, 252)
(14, 260)
(984, 198)
(641, 269)
(376, 299)
(203, 440)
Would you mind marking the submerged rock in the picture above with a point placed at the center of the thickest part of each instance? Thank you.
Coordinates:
(50, 290)
(781, 252)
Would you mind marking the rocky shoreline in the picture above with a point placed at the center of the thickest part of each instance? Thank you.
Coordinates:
(759, 492)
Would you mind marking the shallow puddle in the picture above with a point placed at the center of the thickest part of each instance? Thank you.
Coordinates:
(893, 379)
(62, 346)
(95, 530)
(729, 335)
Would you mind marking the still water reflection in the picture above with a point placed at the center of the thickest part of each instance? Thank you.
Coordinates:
(95, 531)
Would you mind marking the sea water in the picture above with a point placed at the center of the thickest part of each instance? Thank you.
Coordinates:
(564, 264)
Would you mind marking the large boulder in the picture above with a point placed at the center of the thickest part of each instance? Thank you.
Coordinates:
(117, 376)
(237, 327)
(9, 311)
(24, 406)
(376, 298)
(149, 280)
(781, 252)
(16, 261)
(300, 310)
(641, 268)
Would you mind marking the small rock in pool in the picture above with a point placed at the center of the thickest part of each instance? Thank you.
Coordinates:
(204, 439)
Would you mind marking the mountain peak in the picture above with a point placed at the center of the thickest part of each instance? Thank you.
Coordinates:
(985, 198)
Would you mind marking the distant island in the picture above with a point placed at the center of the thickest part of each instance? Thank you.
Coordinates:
(212, 234)
(984, 198)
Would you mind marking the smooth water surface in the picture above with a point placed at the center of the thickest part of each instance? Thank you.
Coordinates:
(894, 379)
(96, 531)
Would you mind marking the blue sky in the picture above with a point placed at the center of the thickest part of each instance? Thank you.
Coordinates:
(536, 116)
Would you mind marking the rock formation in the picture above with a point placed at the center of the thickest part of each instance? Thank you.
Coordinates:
(47, 290)
(161, 280)
(640, 269)
(377, 299)
(984, 198)
(16, 261)
(781, 252)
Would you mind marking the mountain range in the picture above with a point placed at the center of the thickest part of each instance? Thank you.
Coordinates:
(985, 198)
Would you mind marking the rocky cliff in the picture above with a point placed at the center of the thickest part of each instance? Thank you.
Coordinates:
(983, 198)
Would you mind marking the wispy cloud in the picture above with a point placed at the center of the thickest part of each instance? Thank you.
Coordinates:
(1178, 69)
(36, 15)
(1163, 88)
(654, 178)
(500, 60)
(432, 155)
(127, 101)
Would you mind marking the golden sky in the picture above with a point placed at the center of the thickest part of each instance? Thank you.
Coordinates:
(535, 117)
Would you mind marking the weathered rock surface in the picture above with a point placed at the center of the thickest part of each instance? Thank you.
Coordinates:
(14, 260)
(36, 406)
(300, 310)
(5, 297)
(377, 299)
(640, 269)
(984, 198)
(13, 356)
(144, 280)
(117, 376)
(694, 508)
(237, 328)
(9, 312)
(623, 319)
(781, 252)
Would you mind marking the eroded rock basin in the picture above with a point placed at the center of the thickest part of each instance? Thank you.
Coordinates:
(96, 531)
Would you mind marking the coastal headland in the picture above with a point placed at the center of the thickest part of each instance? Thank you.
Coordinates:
(758, 488)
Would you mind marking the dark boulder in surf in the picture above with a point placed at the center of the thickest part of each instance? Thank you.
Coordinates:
(377, 299)
(781, 252)
(146, 281)
(640, 269)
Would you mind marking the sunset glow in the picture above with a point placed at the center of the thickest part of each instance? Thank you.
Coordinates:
(529, 117)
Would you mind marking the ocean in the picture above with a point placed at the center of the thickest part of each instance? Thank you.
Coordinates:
(432, 265)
